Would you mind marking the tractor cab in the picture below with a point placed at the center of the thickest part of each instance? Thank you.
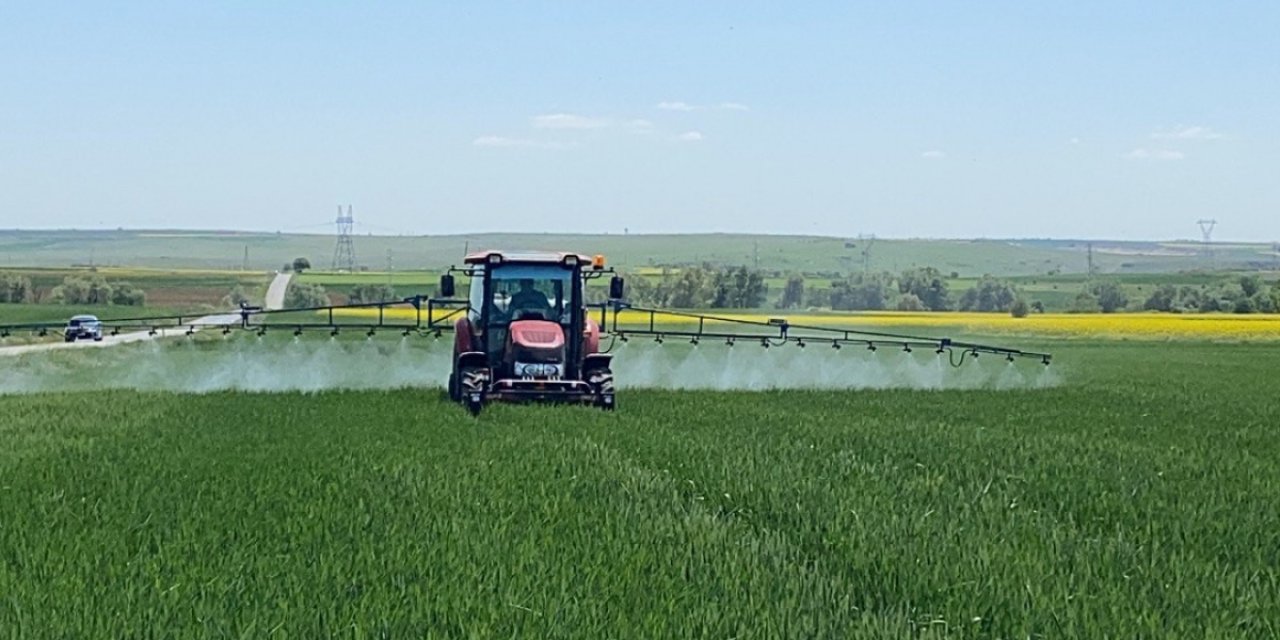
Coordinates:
(528, 333)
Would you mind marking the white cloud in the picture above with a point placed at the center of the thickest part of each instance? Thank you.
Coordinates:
(676, 105)
(933, 154)
(1188, 133)
(501, 141)
(1155, 154)
(638, 126)
(690, 136)
(498, 142)
(569, 121)
(1074, 141)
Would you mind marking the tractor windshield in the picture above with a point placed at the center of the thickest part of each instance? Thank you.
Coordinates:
(530, 292)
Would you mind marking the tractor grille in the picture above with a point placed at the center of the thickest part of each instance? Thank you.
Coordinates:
(540, 337)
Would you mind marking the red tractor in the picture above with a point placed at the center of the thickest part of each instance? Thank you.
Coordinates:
(527, 333)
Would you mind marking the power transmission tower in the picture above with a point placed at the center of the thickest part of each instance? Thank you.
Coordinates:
(244, 266)
(1206, 234)
(389, 271)
(868, 240)
(344, 254)
(1091, 268)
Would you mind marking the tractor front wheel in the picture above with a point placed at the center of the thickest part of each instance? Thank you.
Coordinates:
(602, 381)
(455, 394)
(471, 385)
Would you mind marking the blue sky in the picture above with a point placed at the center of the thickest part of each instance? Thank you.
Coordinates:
(915, 119)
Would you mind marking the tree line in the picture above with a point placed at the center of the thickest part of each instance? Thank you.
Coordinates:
(928, 289)
(80, 290)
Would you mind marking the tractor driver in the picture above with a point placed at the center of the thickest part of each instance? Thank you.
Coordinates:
(529, 299)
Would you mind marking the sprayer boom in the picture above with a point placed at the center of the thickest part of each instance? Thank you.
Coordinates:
(626, 321)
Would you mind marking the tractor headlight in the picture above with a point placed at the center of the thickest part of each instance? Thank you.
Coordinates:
(536, 370)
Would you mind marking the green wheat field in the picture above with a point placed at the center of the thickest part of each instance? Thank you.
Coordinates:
(1136, 499)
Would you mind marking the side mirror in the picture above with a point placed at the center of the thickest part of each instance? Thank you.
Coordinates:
(447, 289)
(617, 289)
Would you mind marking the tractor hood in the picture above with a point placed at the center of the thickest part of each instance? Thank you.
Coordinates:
(537, 334)
(535, 348)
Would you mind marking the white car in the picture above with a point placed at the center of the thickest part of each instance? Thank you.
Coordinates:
(84, 326)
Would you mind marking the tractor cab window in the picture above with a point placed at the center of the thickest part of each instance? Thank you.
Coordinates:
(475, 299)
(530, 292)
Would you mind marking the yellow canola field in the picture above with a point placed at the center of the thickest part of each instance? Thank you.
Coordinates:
(1149, 326)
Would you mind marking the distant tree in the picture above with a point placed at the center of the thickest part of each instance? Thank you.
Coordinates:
(1224, 297)
(1189, 299)
(690, 289)
(1085, 302)
(1111, 297)
(989, 294)
(303, 295)
(860, 292)
(1037, 306)
(366, 293)
(1251, 285)
(792, 293)
(15, 288)
(93, 290)
(909, 302)
(644, 292)
(749, 289)
(1245, 305)
(1264, 303)
(236, 297)
(1020, 308)
(126, 295)
(301, 264)
(1164, 298)
(928, 286)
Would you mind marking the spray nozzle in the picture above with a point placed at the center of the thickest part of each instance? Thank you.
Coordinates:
(728, 342)
(658, 339)
(871, 346)
(297, 332)
(693, 341)
(835, 344)
(800, 343)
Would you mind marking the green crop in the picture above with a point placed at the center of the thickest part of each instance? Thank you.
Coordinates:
(1135, 500)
